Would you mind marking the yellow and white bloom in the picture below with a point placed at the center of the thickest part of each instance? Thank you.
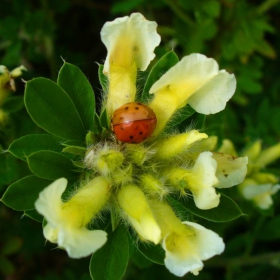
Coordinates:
(186, 244)
(260, 194)
(130, 43)
(67, 221)
(231, 170)
(195, 80)
(200, 180)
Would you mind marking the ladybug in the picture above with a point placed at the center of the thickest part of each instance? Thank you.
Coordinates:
(133, 122)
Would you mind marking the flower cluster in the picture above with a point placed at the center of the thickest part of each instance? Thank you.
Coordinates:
(134, 181)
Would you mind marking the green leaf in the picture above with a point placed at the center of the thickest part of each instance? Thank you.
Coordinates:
(226, 211)
(52, 109)
(102, 78)
(13, 104)
(110, 262)
(26, 145)
(78, 88)
(154, 253)
(34, 215)
(50, 165)
(75, 150)
(22, 194)
(162, 66)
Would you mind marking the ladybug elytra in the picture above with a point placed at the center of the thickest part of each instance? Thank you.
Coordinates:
(133, 122)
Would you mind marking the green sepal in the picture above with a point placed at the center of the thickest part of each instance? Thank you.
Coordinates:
(22, 194)
(26, 145)
(78, 164)
(102, 78)
(226, 211)
(96, 123)
(50, 165)
(75, 150)
(161, 67)
(112, 257)
(105, 133)
(104, 120)
(78, 88)
(91, 138)
(180, 116)
(53, 110)
(70, 143)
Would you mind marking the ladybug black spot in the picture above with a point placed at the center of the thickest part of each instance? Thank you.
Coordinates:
(130, 137)
(140, 132)
(126, 108)
(136, 108)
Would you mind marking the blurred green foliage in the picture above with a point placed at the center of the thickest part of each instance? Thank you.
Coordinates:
(241, 35)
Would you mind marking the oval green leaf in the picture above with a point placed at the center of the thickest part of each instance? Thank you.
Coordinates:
(154, 253)
(34, 215)
(162, 66)
(51, 165)
(78, 88)
(22, 194)
(52, 109)
(26, 145)
(110, 262)
(226, 211)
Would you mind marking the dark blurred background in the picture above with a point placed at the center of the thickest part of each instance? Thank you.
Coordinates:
(243, 36)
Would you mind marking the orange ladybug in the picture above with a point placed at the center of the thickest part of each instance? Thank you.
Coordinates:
(133, 122)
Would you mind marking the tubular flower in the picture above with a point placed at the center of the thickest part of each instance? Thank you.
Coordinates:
(200, 180)
(130, 42)
(186, 244)
(195, 80)
(67, 221)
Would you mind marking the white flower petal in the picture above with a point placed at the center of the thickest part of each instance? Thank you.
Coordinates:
(50, 233)
(203, 181)
(188, 251)
(128, 36)
(81, 242)
(187, 75)
(263, 201)
(206, 198)
(212, 97)
(231, 170)
(207, 242)
(49, 202)
(180, 266)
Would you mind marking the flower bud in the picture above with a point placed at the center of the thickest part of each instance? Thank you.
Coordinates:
(133, 201)
(87, 202)
(178, 144)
